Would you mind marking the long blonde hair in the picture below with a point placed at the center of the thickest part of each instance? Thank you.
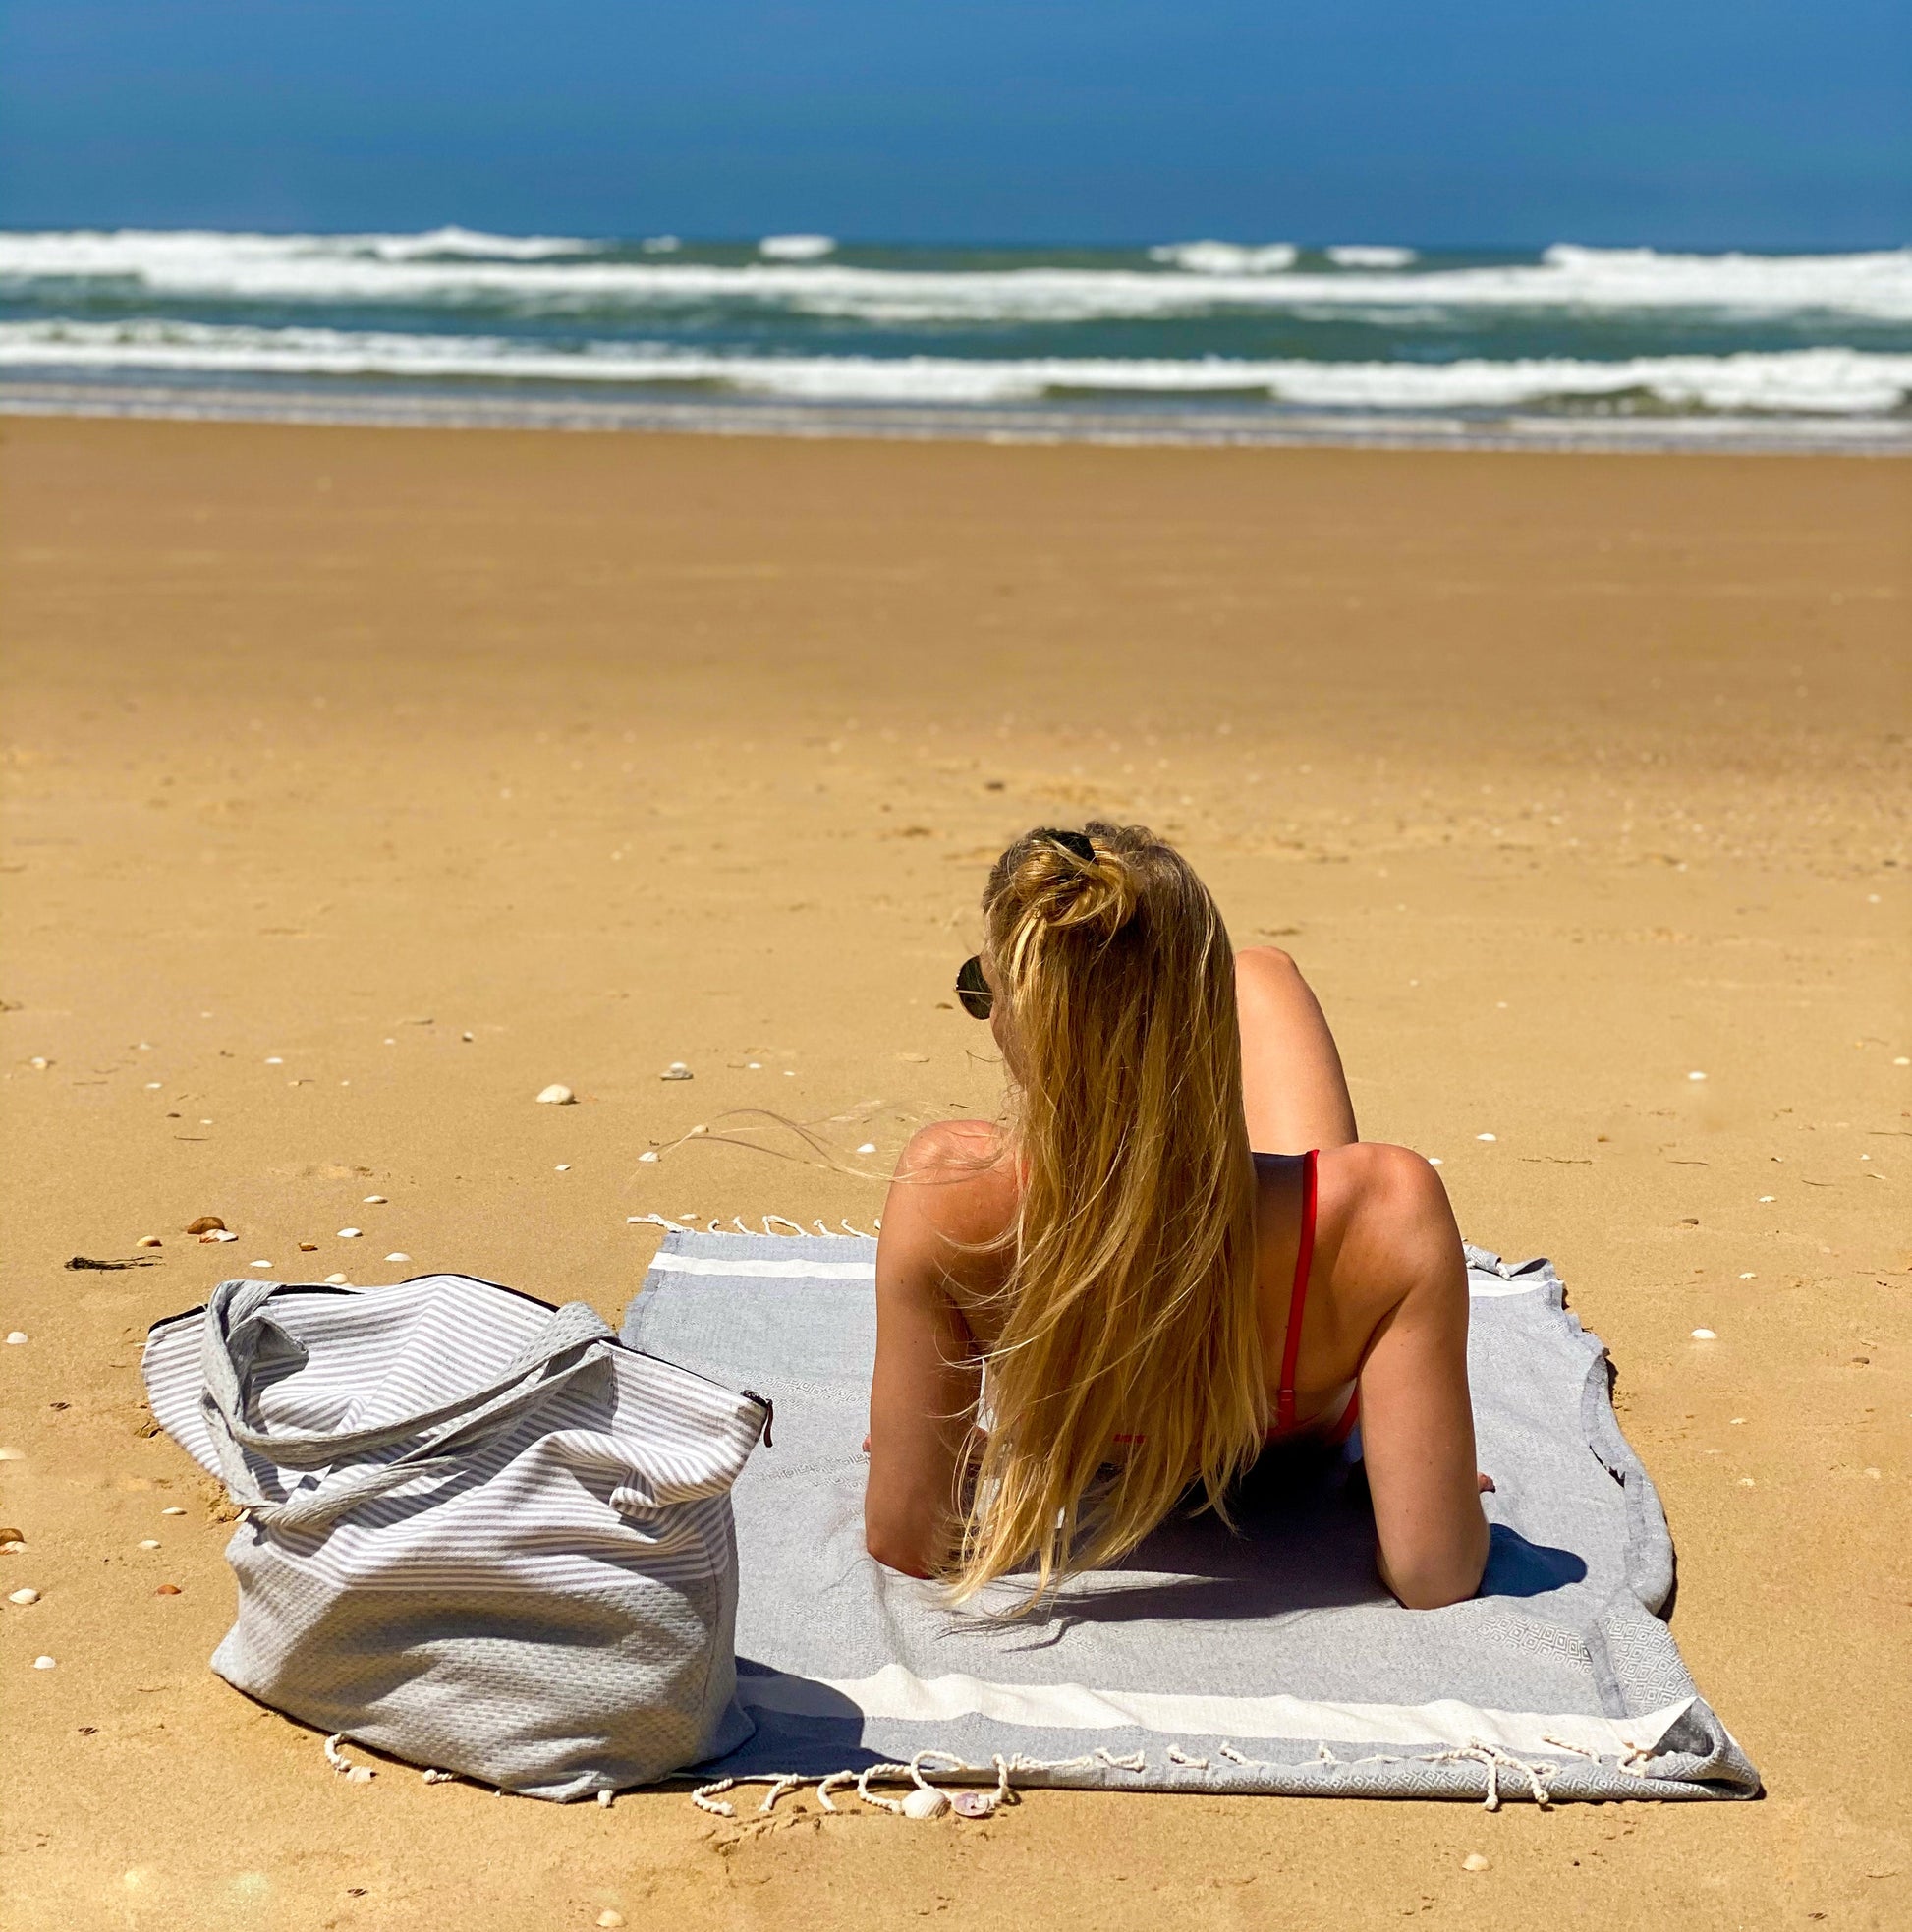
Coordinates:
(1129, 1311)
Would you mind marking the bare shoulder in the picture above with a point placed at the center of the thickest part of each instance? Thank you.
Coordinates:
(1384, 1226)
(954, 1192)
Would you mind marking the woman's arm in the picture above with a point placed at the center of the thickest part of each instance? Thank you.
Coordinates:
(1417, 1419)
(928, 1379)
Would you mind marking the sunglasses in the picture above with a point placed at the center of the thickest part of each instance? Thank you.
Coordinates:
(972, 989)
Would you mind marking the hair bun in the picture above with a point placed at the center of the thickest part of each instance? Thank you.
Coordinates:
(1066, 880)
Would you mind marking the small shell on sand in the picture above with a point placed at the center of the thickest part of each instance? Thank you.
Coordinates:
(868, 1146)
(13, 1455)
(205, 1225)
(649, 1154)
(148, 1542)
(337, 1281)
(1475, 1862)
(676, 1070)
(172, 1510)
(1696, 1076)
(46, 1663)
(395, 1256)
(261, 1264)
(1705, 1335)
(374, 1200)
(1486, 1136)
(607, 1918)
(18, 1336)
(360, 1774)
(348, 1233)
(28, 1596)
(218, 1234)
(973, 1804)
(149, 1241)
(557, 1093)
(40, 1063)
(167, 1590)
(925, 1801)
(308, 1247)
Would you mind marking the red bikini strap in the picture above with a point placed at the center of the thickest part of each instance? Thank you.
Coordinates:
(1284, 1396)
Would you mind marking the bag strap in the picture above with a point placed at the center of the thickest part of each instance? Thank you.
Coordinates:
(240, 1341)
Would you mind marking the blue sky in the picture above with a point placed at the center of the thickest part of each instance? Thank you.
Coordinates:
(1696, 123)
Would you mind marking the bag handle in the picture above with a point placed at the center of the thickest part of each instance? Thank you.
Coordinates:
(240, 1340)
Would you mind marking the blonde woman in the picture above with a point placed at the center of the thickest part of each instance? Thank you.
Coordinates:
(1172, 1251)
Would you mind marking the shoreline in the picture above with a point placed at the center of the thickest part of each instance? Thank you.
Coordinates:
(1030, 425)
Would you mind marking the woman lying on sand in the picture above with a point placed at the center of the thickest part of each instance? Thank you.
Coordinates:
(1155, 1277)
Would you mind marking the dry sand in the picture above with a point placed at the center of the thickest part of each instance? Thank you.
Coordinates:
(360, 783)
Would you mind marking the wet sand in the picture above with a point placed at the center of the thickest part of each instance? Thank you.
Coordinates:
(362, 783)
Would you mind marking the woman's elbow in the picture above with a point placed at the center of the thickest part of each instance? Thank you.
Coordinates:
(1437, 1583)
(896, 1552)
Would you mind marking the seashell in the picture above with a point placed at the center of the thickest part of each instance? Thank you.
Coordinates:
(1486, 1136)
(11, 1535)
(205, 1225)
(12, 1545)
(13, 1455)
(149, 1241)
(397, 1257)
(374, 1200)
(557, 1093)
(468, 1035)
(1696, 1076)
(1704, 1334)
(148, 1542)
(261, 1264)
(925, 1801)
(348, 1233)
(172, 1510)
(563, 1167)
(360, 1774)
(274, 1059)
(868, 1146)
(152, 1086)
(46, 1663)
(649, 1154)
(28, 1596)
(973, 1804)
(218, 1234)
(676, 1070)
(40, 1063)
(18, 1336)
(308, 1247)
(167, 1590)
(1475, 1862)
(607, 1918)
(337, 1281)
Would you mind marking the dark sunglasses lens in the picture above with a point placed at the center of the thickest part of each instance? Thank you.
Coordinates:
(972, 989)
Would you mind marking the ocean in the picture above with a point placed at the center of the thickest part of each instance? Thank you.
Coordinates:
(1194, 341)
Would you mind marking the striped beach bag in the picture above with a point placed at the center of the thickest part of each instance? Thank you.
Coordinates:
(480, 1533)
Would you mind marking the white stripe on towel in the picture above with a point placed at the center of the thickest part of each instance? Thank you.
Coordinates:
(666, 1263)
(900, 1694)
(1484, 1288)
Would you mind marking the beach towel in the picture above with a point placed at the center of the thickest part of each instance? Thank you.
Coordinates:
(1266, 1661)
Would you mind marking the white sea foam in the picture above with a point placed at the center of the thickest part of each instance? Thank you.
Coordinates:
(1811, 381)
(1226, 257)
(471, 242)
(795, 247)
(1371, 255)
(186, 265)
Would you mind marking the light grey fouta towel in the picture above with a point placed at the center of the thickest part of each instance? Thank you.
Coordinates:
(1272, 1661)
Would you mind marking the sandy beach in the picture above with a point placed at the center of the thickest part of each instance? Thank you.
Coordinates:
(360, 783)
